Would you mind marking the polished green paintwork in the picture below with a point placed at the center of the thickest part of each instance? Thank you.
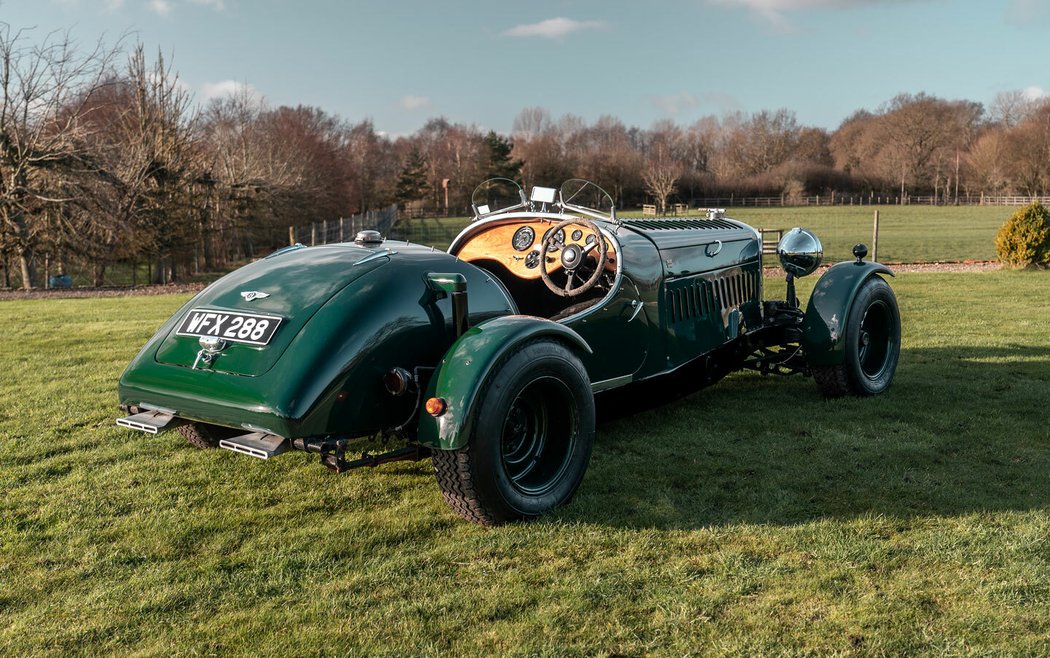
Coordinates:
(702, 312)
(469, 364)
(668, 270)
(829, 307)
(328, 378)
(351, 313)
(328, 269)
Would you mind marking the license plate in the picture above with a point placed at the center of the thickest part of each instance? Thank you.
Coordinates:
(250, 328)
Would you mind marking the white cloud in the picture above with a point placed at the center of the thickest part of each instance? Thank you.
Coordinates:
(1028, 13)
(774, 12)
(793, 5)
(1034, 93)
(217, 5)
(553, 28)
(726, 103)
(165, 7)
(210, 90)
(161, 7)
(413, 103)
(675, 103)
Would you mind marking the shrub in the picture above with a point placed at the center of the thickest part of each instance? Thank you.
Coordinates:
(1024, 240)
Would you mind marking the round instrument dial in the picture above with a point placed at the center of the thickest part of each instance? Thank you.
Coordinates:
(523, 238)
(557, 242)
(577, 234)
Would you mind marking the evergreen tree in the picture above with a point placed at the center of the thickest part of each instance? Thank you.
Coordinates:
(412, 182)
(499, 163)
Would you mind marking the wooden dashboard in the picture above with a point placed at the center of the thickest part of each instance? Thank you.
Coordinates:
(503, 244)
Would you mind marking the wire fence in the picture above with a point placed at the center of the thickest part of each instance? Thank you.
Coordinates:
(834, 199)
(923, 229)
(344, 229)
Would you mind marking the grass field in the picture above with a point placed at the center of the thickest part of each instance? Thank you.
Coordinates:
(752, 518)
(906, 233)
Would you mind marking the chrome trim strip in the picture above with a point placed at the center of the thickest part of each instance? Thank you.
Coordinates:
(607, 384)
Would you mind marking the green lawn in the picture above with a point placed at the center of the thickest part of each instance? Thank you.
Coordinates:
(752, 518)
(906, 233)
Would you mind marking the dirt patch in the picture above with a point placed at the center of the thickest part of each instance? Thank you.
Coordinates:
(964, 266)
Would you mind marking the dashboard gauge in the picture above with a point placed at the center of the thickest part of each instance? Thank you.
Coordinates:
(557, 242)
(591, 239)
(577, 234)
(523, 238)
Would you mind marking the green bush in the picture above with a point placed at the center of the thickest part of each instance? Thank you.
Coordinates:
(1024, 240)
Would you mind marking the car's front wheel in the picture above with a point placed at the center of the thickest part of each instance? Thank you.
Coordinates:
(872, 340)
(531, 441)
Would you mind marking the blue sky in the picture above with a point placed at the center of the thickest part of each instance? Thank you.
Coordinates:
(399, 62)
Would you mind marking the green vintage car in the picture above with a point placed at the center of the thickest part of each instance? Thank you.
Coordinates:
(487, 359)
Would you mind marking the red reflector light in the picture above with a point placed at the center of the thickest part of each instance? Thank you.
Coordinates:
(436, 406)
(397, 381)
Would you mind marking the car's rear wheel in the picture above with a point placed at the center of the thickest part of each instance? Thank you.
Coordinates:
(872, 340)
(205, 436)
(531, 441)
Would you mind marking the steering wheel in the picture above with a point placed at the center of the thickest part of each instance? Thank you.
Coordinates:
(572, 256)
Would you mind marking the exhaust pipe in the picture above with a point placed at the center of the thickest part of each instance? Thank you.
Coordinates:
(151, 421)
(260, 445)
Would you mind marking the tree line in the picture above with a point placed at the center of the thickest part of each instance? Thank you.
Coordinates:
(106, 158)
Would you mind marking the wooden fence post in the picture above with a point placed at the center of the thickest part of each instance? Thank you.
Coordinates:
(875, 239)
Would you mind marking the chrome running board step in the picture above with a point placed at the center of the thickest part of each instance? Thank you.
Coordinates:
(151, 422)
(260, 445)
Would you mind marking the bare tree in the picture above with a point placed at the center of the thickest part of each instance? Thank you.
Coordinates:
(143, 144)
(42, 109)
(1010, 108)
(660, 178)
(608, 156)
(540, 144)
(1028, 153)
(986, 162)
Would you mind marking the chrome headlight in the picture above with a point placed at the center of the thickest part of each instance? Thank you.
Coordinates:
(800, 252)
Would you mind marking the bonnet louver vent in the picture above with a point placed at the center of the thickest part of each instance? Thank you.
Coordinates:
(696, 297)
(680, 224)
(693, 300)
(735, 289)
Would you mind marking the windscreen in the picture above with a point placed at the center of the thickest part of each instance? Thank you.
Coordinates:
(496, 195)
(579, 193)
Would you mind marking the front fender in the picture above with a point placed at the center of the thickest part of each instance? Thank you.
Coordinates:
(468, 364)
(828, 308)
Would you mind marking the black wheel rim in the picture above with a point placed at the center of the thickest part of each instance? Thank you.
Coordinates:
(873, 343)
(539, 436)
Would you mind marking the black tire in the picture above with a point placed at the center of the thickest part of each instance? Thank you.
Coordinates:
(873, 344)
(204, 436)
(531, 442)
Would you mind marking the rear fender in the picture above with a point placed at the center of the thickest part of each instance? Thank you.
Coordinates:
(828, 308)
(470, 361)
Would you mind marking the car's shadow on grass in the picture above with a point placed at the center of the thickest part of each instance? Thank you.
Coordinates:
(962, 430)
